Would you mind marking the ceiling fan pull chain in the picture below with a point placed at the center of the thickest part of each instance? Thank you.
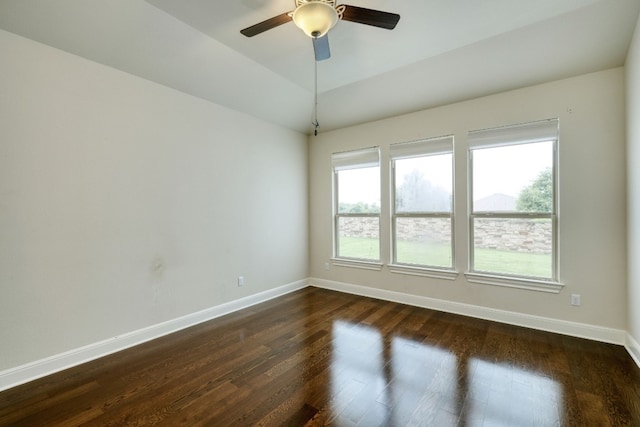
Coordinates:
(315, 100)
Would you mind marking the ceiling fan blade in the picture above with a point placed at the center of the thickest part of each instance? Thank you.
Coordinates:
(376, 18)
(321, 48)
(263, 26)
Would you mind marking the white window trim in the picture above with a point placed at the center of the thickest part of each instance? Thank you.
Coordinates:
(550, 286)
(355, 159)
(354, 263)
(423, 271)
(540, 131)
(412, 149)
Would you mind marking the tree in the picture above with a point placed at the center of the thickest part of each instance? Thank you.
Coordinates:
(537, 196)
(359, 207)
(416, 194)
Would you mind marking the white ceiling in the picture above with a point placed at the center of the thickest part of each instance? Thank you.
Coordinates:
(440, 51)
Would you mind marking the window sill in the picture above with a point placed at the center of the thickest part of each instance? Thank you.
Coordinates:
(515, 282)
(423, 271)
(365, 265)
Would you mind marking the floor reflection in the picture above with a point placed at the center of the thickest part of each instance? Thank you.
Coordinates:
(358, 380)
(381, 382)
(424, 384)
(503, 395)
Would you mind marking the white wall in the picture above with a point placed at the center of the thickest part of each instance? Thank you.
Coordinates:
(633, 188)
(124, 203)
(592, 197)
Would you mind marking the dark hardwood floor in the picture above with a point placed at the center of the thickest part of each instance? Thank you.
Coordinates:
(317, 357)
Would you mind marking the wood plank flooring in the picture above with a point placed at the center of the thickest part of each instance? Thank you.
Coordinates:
(317, 357)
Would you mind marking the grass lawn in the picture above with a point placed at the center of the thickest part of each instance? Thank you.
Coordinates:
(423, 254)
(488, 260)
(359, 247)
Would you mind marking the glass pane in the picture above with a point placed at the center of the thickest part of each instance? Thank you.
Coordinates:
(520, 247)
(359, 237)
(515, 178)
(359, 190)
(424, 184)
(424, 241)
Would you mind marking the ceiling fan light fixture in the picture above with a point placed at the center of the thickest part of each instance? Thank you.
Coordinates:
(315, 18)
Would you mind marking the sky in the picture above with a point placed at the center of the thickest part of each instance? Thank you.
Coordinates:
(508, 170)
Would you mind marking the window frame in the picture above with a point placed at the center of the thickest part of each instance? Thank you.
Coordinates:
(526, 133)
(411, 150)
(355, 159)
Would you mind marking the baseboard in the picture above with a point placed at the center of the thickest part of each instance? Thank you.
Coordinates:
(40, 368)
(581, 330)
(633, 348)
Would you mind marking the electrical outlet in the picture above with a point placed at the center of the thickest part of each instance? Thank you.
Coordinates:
(575, 299)
(240, 280)
(327, 266)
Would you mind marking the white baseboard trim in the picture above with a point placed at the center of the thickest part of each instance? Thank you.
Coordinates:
(581, 330)
(633, 348)
(56, 363)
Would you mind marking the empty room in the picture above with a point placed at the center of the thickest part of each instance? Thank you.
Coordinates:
(309, 212)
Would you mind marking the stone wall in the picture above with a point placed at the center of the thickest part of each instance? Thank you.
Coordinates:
(520, 235)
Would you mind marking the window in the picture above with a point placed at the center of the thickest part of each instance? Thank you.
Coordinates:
(357, 204)
(422, 217)
(513, 220)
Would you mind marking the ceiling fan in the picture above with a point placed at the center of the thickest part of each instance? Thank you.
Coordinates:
(317, 17)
